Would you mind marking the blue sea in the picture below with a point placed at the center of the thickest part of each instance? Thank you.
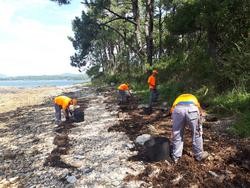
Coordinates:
(39, 83)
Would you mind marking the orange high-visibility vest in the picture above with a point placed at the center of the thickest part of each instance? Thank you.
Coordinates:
(63, 101)
(123, 87)
(186, 98)
(152, 82)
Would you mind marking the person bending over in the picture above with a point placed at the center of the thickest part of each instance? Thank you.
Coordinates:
(63, 103)
(186, 110)
(123, 93)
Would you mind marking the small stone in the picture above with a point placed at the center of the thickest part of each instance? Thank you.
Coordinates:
(14, 179)
(116, 183)
(210, 158)
(213, 173)
(87, 170)
(130, 146)
(71, 179)
(232, 165)
(142, 106)
(142, 139)
(79, 157)
(76, 164)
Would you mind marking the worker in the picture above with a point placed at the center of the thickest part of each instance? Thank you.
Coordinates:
(123, 93)
(186, 110)
(153, 96)
(63, 103)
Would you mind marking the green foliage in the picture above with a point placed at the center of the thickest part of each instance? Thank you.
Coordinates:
(236, 66)
(185, 19)
(235, 103)
(85, 30)
(232, 102)
(242, 127)
(202, 42)
(94, 72)
(115, 79)
(141, 90)
(169, 92)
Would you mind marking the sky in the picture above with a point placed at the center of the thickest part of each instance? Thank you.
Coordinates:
(33, 37)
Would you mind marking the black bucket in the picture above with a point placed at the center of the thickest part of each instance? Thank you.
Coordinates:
(157, 149)
(78, 115)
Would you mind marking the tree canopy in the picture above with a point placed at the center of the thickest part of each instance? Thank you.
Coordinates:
(193, 41)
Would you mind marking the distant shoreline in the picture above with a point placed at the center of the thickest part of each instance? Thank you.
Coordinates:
(41, 83)
(47, 77)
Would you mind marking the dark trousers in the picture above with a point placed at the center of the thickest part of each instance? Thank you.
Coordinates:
(123, 96)
(153, 96)
(58, 113)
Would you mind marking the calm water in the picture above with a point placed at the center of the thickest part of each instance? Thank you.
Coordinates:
(39, 83)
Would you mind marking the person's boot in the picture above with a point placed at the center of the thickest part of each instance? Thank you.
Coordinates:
(203, 156)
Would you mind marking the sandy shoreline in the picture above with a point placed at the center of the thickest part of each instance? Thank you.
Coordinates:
(12, 98)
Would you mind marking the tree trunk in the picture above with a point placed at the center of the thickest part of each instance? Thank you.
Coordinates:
(137, 19)
(149, 26)
(160, 29)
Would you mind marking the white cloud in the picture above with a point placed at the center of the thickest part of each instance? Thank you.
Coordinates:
(30, 46)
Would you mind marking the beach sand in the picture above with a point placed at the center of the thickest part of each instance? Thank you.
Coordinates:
(12, 98)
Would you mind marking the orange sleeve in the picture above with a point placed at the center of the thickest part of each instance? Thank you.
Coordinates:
(151, 82)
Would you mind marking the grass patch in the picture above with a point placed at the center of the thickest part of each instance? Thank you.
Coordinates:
(168, 92)
(242, 127)
(141, 91)
(234, 103)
